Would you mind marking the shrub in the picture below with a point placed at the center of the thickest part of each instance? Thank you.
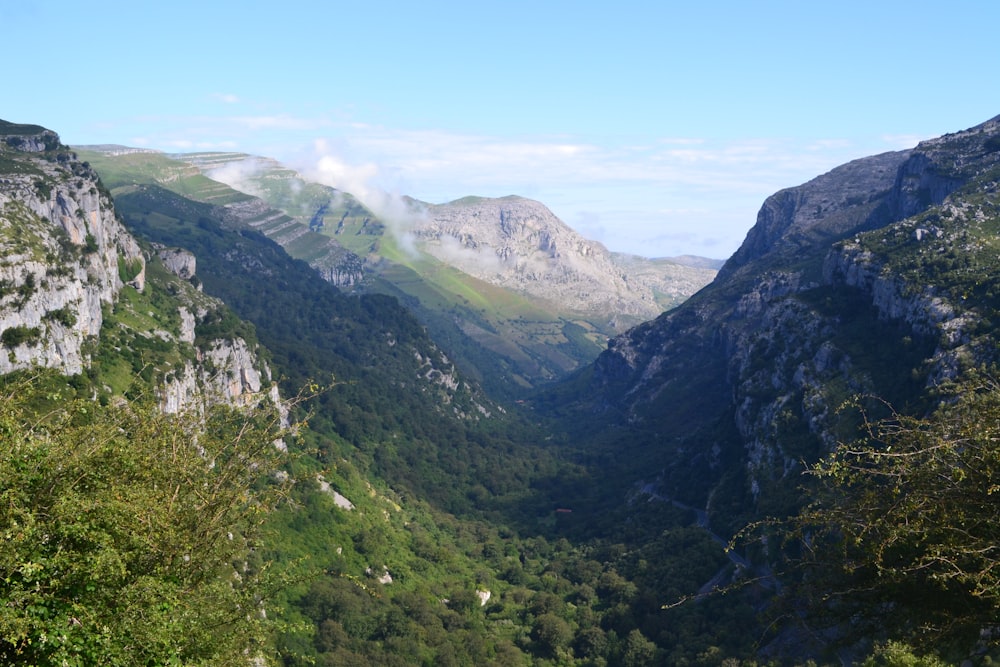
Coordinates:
(20, 336)
(123, 543)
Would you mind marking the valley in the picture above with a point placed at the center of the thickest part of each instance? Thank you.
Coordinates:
(465, 435)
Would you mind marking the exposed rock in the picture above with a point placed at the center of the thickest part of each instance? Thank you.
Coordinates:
(187, 332)
(519, 244)
(227, 373)
(33, 142)
(765, 348)
(846, 200)
(64, 258)
(178, 261)
(338, 500)
(64, 255)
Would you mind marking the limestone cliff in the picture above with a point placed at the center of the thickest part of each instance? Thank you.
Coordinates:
(74, 294)
(874, 279)
(521, 245)
(64, 254)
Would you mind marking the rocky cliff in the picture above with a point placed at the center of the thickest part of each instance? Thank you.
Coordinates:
(74, 293)
(519, 244)
(875, 279)
(64, 256)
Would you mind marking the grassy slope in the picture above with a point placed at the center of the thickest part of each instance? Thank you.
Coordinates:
(505, 340)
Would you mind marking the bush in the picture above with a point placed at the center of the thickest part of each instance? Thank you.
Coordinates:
(123, 543)
(16, 336)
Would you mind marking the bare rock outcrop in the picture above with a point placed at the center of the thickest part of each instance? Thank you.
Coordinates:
(64, 255)
(520, 244)
(178, 261)
(65, 260)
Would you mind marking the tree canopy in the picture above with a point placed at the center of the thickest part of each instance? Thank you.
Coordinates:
(903, 531)
(129, 536)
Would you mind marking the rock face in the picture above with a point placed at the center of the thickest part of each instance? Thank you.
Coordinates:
(178, 261)
(872, 279)
(64, 255)
(64, 263)
(334, 263)
(519, 244)
(228, 372)
(851, 198)
(511, 242)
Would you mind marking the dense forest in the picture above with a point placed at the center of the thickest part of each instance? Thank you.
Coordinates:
(399, 514)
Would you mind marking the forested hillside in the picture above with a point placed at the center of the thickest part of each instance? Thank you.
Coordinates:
(863, 295)
(459, 494)
(797, 464)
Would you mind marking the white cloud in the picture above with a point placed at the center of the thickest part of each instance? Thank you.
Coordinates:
(664, 196)
(364, 180)
(226, 98)
(238, 175)
(480, 261)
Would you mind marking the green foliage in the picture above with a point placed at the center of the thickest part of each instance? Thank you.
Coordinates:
(129, 536)
(127, 269)
(65, 316)
(21, 335)
(903, 531)
(507, 341)
(896, 654)
(13, 129)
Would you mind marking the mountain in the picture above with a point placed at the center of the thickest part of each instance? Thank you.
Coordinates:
(416, 517)
(519, 244)
(78, 286)
(520, 298)
(876, 279)
(123, 167)
(137, 417)
(56, 277)
(828, 296)
(449, 484)
(149, 512)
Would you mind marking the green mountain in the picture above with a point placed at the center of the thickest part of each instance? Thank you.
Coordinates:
(516, 304)
(376, 504)
(873, 284)
(413, 519)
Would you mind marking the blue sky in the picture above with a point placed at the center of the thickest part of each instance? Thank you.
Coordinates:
(657, 128)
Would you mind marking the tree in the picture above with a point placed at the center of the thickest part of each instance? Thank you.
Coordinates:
(128, 536)
(903, 531)
(638, 651)
(551, 633)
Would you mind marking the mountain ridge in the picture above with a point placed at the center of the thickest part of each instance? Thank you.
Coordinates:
(508, 327)
(808, 312)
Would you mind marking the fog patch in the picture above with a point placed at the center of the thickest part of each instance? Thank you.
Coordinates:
(239, 175)
(480, 261)
(364, 181)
